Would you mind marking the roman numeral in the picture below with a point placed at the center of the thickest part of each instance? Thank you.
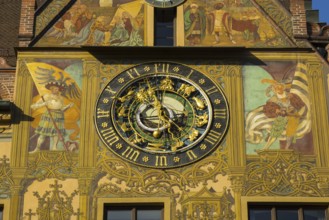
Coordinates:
(212, 137)
(108, 89)
(133, 72)
(161, 67)
(211, 90)
(189, 75)
(220, 113)
(191, 155)
(102, 113)
(161, 161)
(109, 135)
(131, 154)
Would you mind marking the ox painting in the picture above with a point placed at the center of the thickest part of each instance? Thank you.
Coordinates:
(213, 23)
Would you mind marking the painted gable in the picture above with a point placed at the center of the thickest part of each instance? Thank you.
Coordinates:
(215, 23)
(249, 23)
(98, 23)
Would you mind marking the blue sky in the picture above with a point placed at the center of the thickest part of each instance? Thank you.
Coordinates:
(323, 6)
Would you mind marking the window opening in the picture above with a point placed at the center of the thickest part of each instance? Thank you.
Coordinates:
(1, 212)
(164, 26)
(133, 212)
(288, 212)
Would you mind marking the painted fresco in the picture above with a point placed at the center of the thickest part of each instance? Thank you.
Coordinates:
(103, 23)
(277, 107)
(228, 23)
(55, 106)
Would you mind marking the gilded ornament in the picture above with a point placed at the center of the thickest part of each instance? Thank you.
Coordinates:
(199, 103)
(194, 134)
(186, 90)
(6, 178)
(55, 204)
(161, 114)
(52, 164)
(201, 120)
(281, 174)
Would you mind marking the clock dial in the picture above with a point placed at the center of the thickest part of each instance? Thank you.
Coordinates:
(161, 115)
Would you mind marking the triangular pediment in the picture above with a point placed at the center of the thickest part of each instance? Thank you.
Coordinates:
(215, 23)
(204, 193)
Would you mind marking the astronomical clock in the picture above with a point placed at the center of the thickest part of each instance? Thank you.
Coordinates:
(161, 115)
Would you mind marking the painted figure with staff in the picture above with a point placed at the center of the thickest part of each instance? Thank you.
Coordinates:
(58, 95)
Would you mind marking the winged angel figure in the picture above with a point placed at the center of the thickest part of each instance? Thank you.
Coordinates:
(56, 108)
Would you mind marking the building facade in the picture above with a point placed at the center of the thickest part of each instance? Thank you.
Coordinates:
(130, 109)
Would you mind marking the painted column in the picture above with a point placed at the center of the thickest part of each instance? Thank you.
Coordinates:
(235, 136)
(19, 154)
(87, 154)
(320, 125)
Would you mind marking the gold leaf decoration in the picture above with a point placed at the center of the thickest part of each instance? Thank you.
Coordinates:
(281, 173)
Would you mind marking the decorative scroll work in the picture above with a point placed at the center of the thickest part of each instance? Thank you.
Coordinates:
(110, 69)
(6, 180)
(180, 184)
(282, 18)
(207, 202)
(323, 182)
(54, 204)
(214, 70)
(48, 14)
(280, 173)
(148, 180)
(50, 164)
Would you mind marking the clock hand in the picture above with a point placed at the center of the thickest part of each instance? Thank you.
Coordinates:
(172, 122)
(184, 112)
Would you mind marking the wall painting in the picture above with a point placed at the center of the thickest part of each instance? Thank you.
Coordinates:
(277, 107)
(55, 105)
(98, 23)
(228, 23)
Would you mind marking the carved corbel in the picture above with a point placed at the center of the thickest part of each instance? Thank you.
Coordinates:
(86, 180)
(237, 183)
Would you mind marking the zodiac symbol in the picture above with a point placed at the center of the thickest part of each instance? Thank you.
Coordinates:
(201, 119)
(137, 139)
(186, 90)
(199, 103)
(122, 111)
(141, 95)
(193, 135)
(177, 144)
(124, 127)
(129, 95)
(167, 84)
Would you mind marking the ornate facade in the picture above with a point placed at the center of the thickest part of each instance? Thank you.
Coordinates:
(234, 113)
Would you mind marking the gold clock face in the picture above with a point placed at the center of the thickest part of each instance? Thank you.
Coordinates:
(161, 115)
